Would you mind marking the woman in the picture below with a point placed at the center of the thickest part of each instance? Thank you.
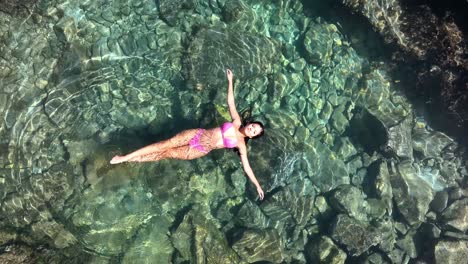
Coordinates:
(195, 143)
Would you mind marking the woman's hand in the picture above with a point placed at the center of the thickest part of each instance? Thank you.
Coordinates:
(260, 192)
(229, 75)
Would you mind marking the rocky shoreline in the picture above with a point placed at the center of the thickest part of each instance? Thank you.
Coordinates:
(432, 54)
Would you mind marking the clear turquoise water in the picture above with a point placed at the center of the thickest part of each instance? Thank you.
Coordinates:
(82, 82)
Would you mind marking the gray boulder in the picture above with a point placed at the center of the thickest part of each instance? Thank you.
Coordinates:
(349, 200)
(412, 195)
(383, 187)
(399, 138)
(408, 245)
(439, 203)
(260, 245)
(169, 10)
(323, 250)
(318, 43)
(326, 170)
(251, 216)
(430, 143)
(289, 205)
(197, 240)
(377, 97)
(375, 258)
(386, 227)
(456, 215)
(356, 236)
(451, 252)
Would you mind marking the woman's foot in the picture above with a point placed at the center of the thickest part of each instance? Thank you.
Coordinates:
(117, 159)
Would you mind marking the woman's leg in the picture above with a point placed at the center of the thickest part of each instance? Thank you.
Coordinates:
(158, 148)
(181, 153)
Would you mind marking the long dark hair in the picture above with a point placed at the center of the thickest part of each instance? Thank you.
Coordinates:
(246, 123)
(246, 139)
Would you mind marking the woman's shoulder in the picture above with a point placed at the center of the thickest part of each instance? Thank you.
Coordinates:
(237, 123)
(226, 125)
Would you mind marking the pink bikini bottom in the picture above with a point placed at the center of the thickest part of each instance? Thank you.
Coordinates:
(195, 141)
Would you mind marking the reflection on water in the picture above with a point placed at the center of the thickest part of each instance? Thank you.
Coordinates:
(82, 82)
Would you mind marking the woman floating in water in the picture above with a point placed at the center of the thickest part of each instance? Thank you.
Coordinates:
(196, 143)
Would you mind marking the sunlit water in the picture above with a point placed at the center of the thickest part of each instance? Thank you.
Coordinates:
(82, 82)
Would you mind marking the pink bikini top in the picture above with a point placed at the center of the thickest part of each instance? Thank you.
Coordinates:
(228, 142)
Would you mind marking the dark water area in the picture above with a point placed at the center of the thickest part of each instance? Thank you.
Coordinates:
(363, 158)
(456, 9)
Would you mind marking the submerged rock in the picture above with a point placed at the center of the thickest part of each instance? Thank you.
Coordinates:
(169, 10)
(25, 254)
(349, 200)
(451, 252)
(430, 143)
(240, 15)
(408, 245)
(323, 250)
(439, 203)
(260, 245)
(198, 240)
(344, 148)
(411, 193)
(55, 232)
(318, 43)
(326, 169)
(399, 138)
(7, 237)
(458, 193)
(456, 215)
(289, 207)
(214, 50)
(398, 256)
(151, 242)
(378, 97)
(251, 216)
(182, 239)
(387, 229)
(375, 209)
(356, 236)
(383, 187)
(375, 258)
(322, 208)
(384, 17)
(455, 235)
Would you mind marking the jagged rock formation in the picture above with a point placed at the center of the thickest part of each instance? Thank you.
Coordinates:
(432, 36)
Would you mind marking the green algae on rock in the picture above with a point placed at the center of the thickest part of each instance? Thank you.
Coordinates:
(198, 240)
(456, 215)
(355, 235)
(264, 245)
(451, 252)
(411, 193)
(349, 200)
(324, 250)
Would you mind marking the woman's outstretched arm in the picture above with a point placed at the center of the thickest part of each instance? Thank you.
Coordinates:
(249, 172)
(230, 98)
